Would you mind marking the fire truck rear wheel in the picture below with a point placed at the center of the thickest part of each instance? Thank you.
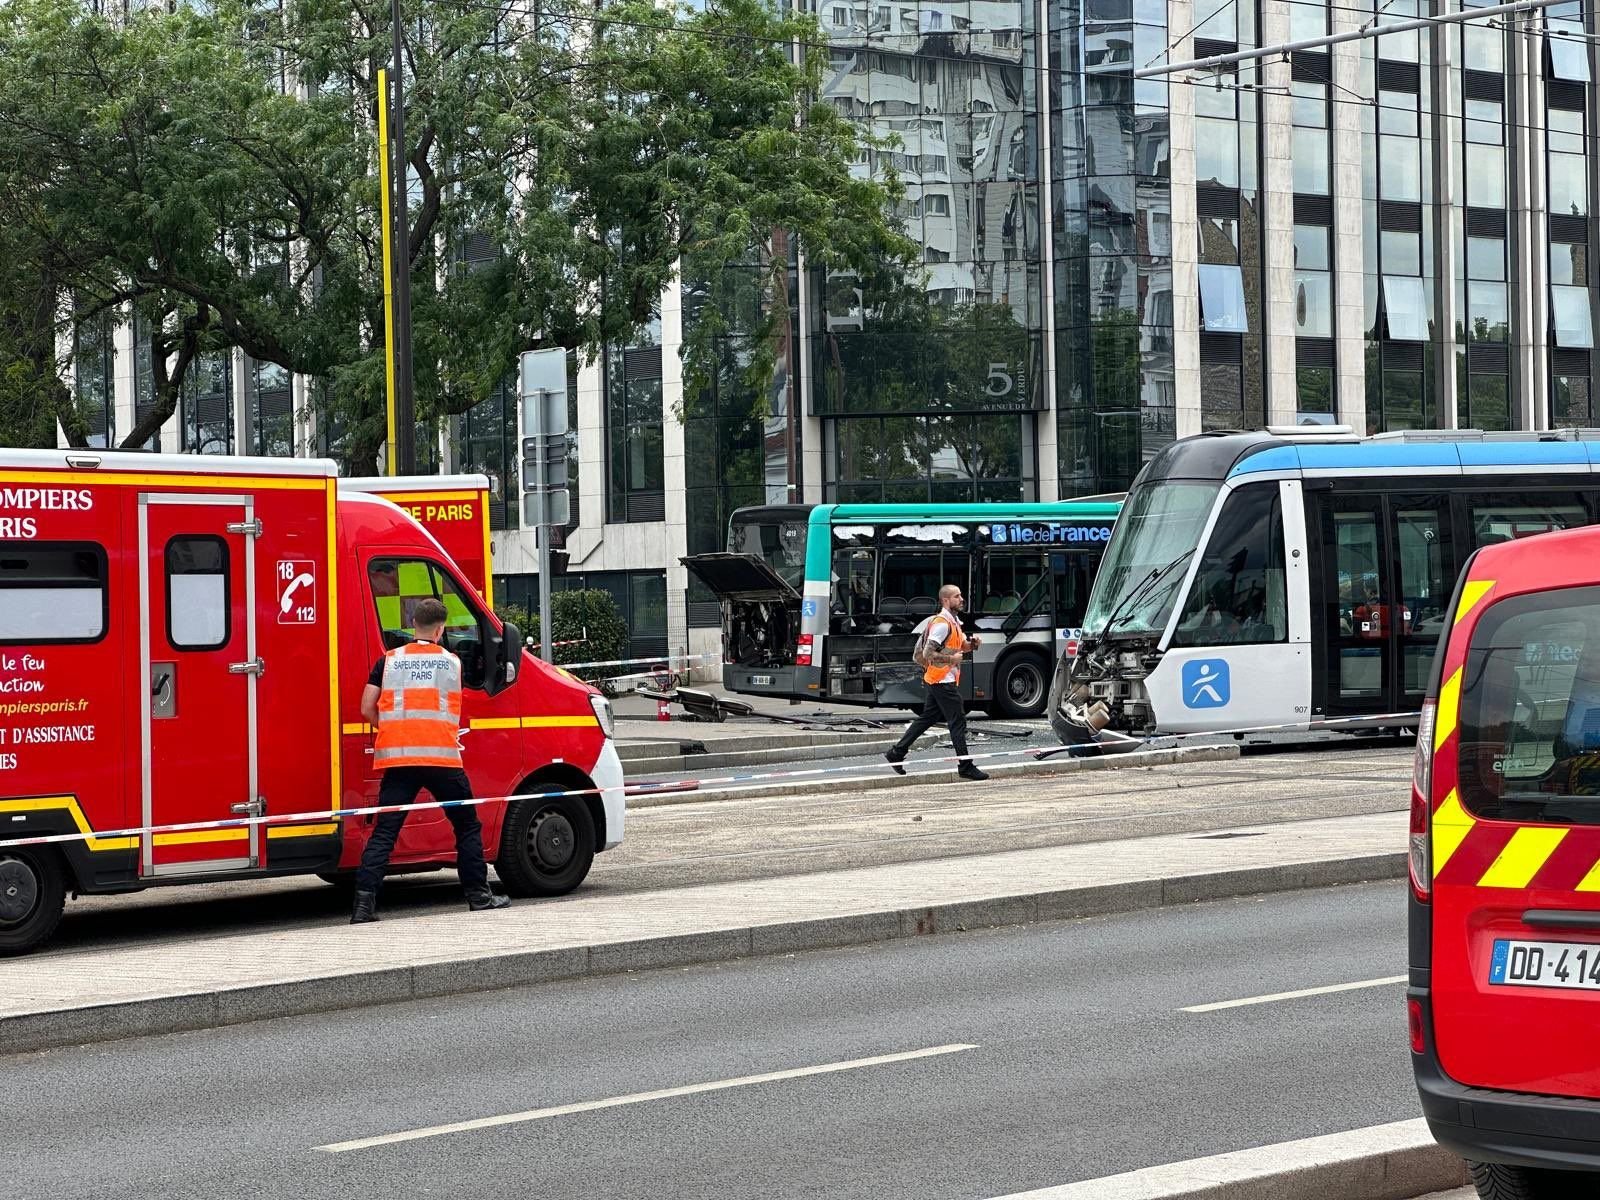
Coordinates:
(546, 846)
(33, 892)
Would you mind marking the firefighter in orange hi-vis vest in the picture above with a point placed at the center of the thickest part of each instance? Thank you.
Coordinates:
(939, 652)
(413, 699)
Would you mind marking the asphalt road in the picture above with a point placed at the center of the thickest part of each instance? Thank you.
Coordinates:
(1077, 1063)
(718, 840)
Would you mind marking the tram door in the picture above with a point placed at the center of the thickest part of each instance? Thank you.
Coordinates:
(1388, 569)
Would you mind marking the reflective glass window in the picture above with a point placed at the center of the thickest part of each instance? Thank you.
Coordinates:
(1400, 169)
(1216, 153)
(1488, 311)
(1571, 405)
(1569, 185)
(1569, 57)
(1569, 306)
(1314, 390)
(1483, 47)
(1488, 401)
(1569, 264)
(1486, 258)
(1311, 248)
(1565, 131)
(1313, 303)
(1222, 307)
(1312, 171)
(1484, 122)
(1309, 104)
(1397, 113)
(1405, 308)
(1486, 175)
(1402, 253)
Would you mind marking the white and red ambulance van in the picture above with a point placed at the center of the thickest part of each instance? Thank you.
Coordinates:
(185, 640)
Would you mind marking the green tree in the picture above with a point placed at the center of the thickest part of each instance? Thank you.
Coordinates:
(161, 163)
(586, 619)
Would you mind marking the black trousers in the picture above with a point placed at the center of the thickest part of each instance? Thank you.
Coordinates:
(942, 706)
(400, 786)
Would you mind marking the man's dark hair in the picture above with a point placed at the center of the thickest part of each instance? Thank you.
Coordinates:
(428, 613)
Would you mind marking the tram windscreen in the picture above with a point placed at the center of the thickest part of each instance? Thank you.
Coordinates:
(1160, 523)
(780, 542)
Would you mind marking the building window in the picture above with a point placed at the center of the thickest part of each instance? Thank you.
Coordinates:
(917, 459)
(1568, 54)
(1314, 390)
(94, 375)
(488, 444)
(1572, 405)
(634, 421)
(207, 405)
(271, 411)
(1405, 308)
(1313, 282)
(1574, 326)
(1222, 307)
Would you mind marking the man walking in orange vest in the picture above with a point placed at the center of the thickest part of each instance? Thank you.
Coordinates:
(413, 699)
(944, 645)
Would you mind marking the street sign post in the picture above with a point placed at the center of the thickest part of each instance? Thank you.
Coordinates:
(546, 503)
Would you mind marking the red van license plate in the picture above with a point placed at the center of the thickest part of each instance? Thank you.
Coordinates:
(1546, 964)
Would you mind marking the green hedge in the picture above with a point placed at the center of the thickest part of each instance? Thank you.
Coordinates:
(588, 618)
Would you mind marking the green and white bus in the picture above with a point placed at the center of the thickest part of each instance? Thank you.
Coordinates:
(824, 602)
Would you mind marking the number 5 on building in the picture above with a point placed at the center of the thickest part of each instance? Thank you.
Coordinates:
(999, 375)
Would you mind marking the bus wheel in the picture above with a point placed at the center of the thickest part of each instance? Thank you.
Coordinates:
(1496, 1181)
(33, 891)
(1021, 685)
(546, 846)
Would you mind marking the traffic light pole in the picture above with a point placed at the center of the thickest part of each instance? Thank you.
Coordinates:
(404, 454)
(545, 532)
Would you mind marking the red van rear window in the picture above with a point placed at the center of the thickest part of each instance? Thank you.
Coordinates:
(1530, 710)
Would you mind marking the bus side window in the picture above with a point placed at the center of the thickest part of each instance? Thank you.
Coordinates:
(1007, 578)
(1238, 593)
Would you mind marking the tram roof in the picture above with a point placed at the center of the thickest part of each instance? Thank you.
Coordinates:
(1217, 456)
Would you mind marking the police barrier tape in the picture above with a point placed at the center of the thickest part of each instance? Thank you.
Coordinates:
(718, 785)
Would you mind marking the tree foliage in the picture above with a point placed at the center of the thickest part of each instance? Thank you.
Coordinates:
(216, 172)
(586, 619)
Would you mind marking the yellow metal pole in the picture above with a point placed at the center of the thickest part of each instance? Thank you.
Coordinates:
(388, 269)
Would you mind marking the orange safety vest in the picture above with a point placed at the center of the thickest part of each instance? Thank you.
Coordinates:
(954, 642)
(419, 708)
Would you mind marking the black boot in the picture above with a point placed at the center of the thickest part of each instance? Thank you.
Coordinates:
(481, 899)
(969, 770)
(896, 756)
(366, 908)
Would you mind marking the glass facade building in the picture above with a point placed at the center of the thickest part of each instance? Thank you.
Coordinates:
(1390, 233)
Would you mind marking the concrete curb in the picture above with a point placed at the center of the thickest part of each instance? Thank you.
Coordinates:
(445, 977)
(1385, 1162)
(876, 776)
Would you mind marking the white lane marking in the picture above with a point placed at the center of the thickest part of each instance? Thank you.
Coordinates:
(718, 1085)
(1276, 996)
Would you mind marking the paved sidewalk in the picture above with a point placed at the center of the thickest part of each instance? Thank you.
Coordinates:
(63, 997)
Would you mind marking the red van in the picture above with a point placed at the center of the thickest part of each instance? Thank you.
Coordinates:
(185, 640)
(1504, 997)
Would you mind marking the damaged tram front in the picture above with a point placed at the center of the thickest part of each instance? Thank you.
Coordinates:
(1281, 582)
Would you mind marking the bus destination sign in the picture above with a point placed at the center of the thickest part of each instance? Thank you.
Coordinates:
(1046, 533)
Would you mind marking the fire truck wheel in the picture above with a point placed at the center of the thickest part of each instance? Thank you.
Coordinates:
(33, 891)
(546, 846)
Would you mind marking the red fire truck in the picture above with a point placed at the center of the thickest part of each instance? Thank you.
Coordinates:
(454, 508)
(186, 640)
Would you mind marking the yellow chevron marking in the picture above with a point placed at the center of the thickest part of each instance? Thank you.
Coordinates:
(1448, 709)
(1528, 850)
(1591, 881)
(1451, 824)
(1472, 591)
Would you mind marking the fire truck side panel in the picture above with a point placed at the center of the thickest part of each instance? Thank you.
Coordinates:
(148, 717)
